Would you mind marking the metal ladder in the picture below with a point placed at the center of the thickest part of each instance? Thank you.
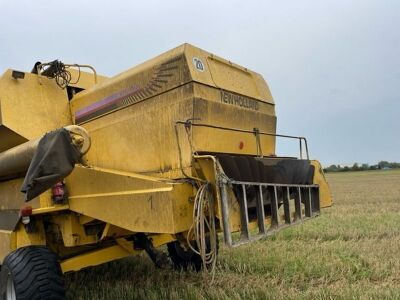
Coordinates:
(306, 194)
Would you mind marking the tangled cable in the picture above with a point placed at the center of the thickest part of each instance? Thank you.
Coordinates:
(61, 74)
(203, 228)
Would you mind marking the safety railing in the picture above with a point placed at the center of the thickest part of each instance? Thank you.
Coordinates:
(256, 132)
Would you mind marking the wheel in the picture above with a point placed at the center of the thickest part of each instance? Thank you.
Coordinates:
(185, 259)
(31, 273)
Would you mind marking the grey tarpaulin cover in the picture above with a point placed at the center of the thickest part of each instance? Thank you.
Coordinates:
(54, 159)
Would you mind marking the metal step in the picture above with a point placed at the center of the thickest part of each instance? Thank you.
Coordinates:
(281, 195)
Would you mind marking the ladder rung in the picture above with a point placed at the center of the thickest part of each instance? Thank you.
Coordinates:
(308, 209)
(260, 211)
(286, 207)
(244, 214)
(297, 205)
(274, 209)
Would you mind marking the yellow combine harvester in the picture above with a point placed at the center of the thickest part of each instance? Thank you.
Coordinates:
(170, 152)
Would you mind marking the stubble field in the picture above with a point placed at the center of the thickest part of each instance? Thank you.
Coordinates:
(352, 251)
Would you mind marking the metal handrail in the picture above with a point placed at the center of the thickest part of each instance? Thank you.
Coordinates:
(255, 131)
(266, 184)
(39, 68)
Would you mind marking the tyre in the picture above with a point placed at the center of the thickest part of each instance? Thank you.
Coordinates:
(31, 273)
(186, 259)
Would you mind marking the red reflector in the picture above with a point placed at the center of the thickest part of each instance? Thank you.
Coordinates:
(26, 211)
(58, 192)
(241, 145)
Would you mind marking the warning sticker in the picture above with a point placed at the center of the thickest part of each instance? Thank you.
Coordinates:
(198, 64)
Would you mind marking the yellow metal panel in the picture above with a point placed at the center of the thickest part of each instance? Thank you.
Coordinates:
(30, 107)
(73, 233)
(5, 244)
(11, 196)
(154, 148)
(142, 105)
(146, 140)
(218, 140)
(95, 258)
(24, 239)
(114, 232)
(108, 196)
(182, 203)
(325, 196)
(239, 79)
(146, 212)
(161, 239)
(130, 201)
(50, 209)
(234, 100)
(89, 182)
(222, 73)
(153, 77)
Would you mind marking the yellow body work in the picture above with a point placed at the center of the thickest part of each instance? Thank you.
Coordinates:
(136, 175)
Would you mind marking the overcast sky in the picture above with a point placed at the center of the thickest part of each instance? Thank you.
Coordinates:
(333, 66)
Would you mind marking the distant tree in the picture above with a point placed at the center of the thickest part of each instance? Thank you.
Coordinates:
(383, 164)
(332, 168)
(363, 167)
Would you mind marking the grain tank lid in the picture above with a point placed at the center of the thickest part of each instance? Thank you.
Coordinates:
(174, 68)
(151, 78)
(213, 70)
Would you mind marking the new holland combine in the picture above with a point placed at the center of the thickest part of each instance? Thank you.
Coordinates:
(171, 152)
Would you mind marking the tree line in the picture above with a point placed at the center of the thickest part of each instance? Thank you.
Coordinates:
(382, 165)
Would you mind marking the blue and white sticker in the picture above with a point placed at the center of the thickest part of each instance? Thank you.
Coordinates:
(198, 64)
